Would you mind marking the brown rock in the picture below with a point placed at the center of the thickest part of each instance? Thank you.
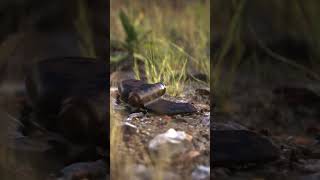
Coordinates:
(231, 147)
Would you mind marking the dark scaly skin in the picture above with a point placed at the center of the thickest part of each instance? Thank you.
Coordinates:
(159, 106)
(82, 119)
(146, 93)
(70, 96)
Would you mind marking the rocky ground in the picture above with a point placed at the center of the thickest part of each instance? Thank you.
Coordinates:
(281, 105)
(146, 133)
(30, 149)
(43, 154)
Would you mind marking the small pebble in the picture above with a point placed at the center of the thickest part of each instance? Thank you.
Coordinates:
(201, 173)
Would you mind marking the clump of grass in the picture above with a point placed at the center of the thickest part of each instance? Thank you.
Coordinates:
(171, 42)
(164, 64)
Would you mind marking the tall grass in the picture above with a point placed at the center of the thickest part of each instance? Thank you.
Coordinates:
(171, 41)
(232, 39)
(232, 24)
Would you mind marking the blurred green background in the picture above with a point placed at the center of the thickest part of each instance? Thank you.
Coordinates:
(252, 33)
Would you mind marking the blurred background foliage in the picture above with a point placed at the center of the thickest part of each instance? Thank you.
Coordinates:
(253, 32)
(85, 18)
(33, 30)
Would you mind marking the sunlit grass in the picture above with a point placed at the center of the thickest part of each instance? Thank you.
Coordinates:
(171, 41)
(164, 64)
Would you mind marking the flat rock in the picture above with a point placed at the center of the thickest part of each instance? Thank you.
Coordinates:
(163, 106)
(141, 172)
(201, 173)
(172, 142)
(232, 147)
(84, 170)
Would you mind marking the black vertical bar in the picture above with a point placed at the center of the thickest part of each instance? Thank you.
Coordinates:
(211, 83)
(108, 76)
